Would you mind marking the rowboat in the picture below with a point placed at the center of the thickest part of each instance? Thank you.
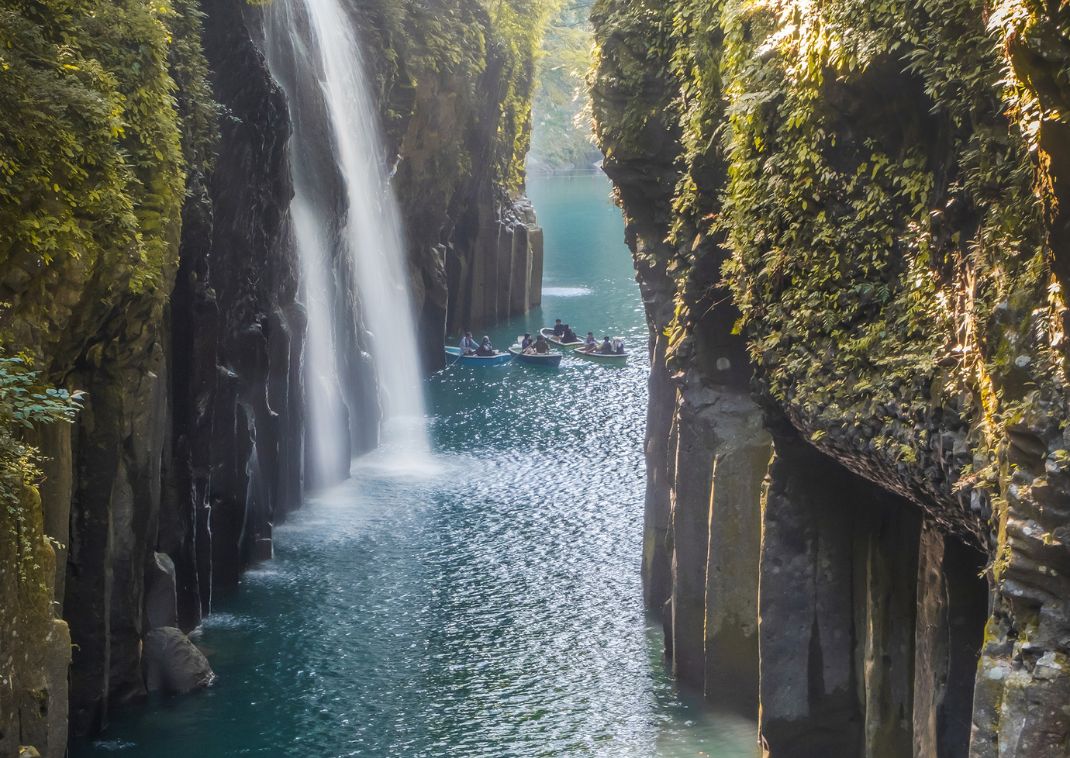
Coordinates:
(551, 337)
(547, 360)
(608, 359)
(453, 355)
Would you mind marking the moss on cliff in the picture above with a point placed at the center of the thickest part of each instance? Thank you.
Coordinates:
(34, 647)
(93, 175)
(479, 50)
(875, 175)
(105, 109)
(879, 188)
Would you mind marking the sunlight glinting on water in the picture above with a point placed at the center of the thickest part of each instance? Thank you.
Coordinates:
(483, 604)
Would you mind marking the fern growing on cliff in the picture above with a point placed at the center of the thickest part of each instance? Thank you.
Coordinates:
(24, 403)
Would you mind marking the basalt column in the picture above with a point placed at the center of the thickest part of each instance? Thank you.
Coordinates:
(870, 618)
(235, 418)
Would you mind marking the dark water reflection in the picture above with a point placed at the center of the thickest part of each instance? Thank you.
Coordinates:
(481, 602)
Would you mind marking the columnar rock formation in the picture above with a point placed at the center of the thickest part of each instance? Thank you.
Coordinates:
(146, 257)
(846, 224)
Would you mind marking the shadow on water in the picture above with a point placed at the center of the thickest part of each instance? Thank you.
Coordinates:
(482, 601)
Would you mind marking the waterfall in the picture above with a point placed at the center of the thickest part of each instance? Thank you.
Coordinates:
(348, 235)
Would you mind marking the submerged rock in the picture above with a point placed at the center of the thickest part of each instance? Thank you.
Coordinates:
(173, 663)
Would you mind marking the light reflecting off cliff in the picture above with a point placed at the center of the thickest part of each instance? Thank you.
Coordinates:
(486, 606)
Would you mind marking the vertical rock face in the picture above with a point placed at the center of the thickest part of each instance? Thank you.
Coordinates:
(255, 452)
(146, 257)
(35, 647)
(706, 449)
(190, 443)
(829, 200)
(461, 134)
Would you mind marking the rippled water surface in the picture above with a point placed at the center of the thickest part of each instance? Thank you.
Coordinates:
(484, 601)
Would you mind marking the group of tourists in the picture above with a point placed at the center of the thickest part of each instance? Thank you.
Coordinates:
(540, 346)
(590, 344)
(537, 346)
(483, 348)
(564, 332)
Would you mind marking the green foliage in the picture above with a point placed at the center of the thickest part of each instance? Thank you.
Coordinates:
(562, 137)
(519, 27)
(95, 142)
(873, 276)
(465, 59)
(91, 173)
(24, 403)
(872, 172)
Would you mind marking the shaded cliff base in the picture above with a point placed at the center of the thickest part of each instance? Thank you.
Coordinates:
(794, 591)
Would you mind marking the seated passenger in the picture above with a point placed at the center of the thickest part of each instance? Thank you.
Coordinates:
(559, 328)
(569, 335)
(607, 346)
(526, 342)
(485, 348)
(618, 346)
(590, 344)
(541, 345)
(468, 345)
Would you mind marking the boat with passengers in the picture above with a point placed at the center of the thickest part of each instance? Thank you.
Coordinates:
(559, 340)
(453, 356)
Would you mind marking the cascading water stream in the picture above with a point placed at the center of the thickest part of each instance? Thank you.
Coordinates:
(347, 231)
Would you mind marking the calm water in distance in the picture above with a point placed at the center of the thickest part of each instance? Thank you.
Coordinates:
(483, 602)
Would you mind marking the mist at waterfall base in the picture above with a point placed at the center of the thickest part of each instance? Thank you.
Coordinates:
(488, 607)
(348, 238)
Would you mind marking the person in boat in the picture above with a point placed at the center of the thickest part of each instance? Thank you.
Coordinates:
(590, 344)
(485, 349)
(568, 335)
(606, 347)
(541, 346)
(618, 346)
(526, 342)
(468, 345)
(559, 328)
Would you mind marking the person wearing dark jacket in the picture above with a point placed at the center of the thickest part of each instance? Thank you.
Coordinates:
(485, 349)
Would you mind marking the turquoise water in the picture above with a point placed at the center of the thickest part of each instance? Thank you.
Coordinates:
(483, 602)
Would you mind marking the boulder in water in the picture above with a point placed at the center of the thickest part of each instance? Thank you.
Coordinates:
(173, 663)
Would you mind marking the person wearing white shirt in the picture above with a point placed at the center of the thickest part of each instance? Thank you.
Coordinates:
(468, 345)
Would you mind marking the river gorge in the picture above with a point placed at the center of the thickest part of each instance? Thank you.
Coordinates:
(251, 507)
(482, 599)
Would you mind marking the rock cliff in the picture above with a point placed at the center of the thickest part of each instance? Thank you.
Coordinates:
(146, 257)
(846, 223)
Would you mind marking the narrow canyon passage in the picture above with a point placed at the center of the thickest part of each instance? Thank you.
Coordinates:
(481, 601)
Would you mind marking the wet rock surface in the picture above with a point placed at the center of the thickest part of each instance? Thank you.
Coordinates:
(173, 664)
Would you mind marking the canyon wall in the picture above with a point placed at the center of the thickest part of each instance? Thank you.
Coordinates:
(146, 258)
(456, 78)
(846, 225)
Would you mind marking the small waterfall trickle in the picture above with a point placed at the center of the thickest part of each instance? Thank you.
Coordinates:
(347, 230)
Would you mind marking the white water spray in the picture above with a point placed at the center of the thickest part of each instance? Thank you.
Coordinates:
(326, 55)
